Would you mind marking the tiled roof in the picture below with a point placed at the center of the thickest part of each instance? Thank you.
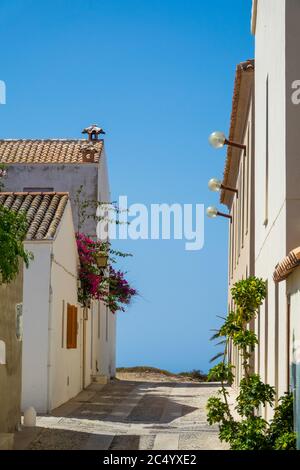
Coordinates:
(287, 265)
(48, 151)
(43, 211)
(243, 67)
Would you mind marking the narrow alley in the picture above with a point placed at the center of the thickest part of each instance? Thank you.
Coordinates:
(128, 415)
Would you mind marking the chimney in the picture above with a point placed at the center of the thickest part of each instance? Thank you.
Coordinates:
(93, 132)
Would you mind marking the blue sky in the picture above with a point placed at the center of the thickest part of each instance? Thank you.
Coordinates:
(158, 77)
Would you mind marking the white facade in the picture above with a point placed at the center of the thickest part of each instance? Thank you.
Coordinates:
(51, 373)
(68, 178)
(277, 172)
(293, 345)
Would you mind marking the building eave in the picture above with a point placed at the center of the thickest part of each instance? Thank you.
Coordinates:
(287, 265)
(243, 85)
(254, 16)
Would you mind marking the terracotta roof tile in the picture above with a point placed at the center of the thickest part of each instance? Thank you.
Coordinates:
(287, 265)
(247, 66)
(43, 211)
(49, 151)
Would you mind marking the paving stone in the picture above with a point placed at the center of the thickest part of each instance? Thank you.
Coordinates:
(127, 415)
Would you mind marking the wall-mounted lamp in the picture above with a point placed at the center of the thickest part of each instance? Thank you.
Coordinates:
(102, 259)
(218, 140)
(212, 212)
(216, 185)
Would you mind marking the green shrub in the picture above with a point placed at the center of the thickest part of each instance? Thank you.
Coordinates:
(249, 431)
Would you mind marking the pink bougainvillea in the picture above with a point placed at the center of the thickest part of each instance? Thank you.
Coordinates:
(120, 292)
(109, 285)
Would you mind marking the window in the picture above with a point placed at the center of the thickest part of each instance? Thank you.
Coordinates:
(259, 341)
(288, 342)
(230, 251)
(267, 156)
(38, 190)
(276, 338)
(233, 240)
(239, 203)
(243, 199)
(266, 335)
(236, 236)
(71, 327)
(247, 162)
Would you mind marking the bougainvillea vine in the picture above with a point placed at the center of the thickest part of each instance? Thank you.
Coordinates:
(108, 285)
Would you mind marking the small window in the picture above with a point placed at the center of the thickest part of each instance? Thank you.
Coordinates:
(71, 327)
(267, 156)
(38, 190)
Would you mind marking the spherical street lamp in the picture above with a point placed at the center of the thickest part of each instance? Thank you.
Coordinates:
(217, 139)
(211, 212)
(215, 185)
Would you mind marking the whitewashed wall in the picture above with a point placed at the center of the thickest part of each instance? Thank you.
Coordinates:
(36, 298)
(277, 59)
(270, 236)
(51, 373)
(65, 364)
(107, 344)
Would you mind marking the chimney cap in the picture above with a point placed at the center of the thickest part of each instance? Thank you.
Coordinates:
(94, 129)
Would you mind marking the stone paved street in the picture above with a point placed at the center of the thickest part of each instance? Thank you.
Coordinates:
(128, 415)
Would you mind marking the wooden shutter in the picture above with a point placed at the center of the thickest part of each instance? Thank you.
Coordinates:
(71, 327)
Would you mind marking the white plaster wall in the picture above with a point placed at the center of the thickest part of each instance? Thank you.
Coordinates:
(61, 178)
(293, 288)
(36, 299)
(241, 265)
(65, 364)
(95, 337)
(68, 178)
(52, 374)
(270, 238)
(107, 342)
(103, 340)
(88, 349)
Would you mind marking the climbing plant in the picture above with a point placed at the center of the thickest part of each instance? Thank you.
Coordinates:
(108, 285)
(98, 211)
(246, 429)
(13, 228)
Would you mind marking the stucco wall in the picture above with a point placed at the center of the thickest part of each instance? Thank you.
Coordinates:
(277, 60)
(65, 364)
(60, 177)
(271, 225)
(241, 207)
(52, 373)
(10, 372)
(36, 325)
(293, 289)
(107, 343)
(68, 178)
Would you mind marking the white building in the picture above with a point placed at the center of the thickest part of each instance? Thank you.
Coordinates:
(265, 229)
(275, 24)
(61, 341)
(237, 192)
(64, 165)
